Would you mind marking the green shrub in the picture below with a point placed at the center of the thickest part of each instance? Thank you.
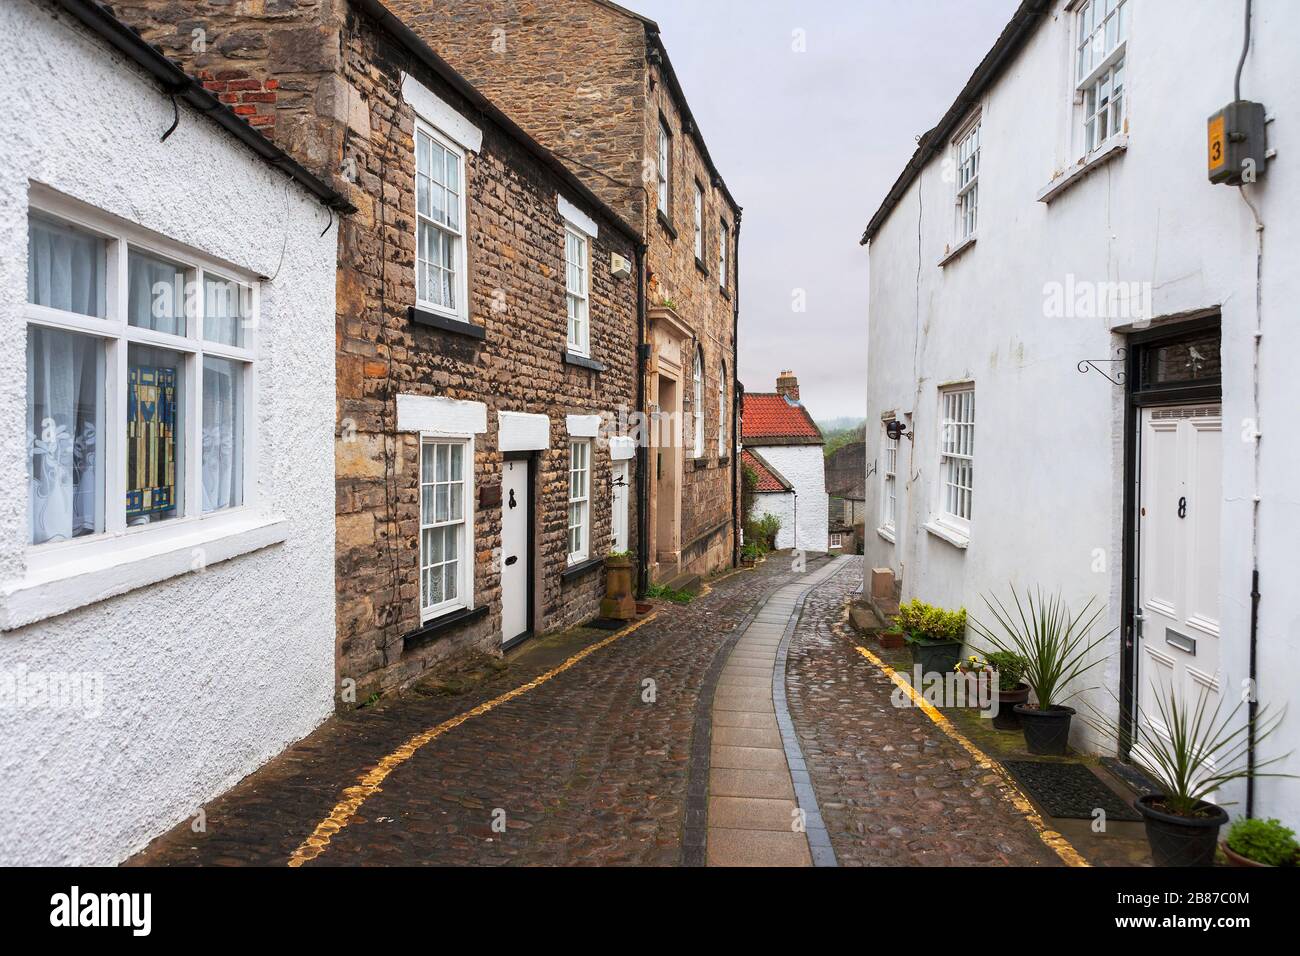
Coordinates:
(1264, 841)
(1010, 667)
(925, 622)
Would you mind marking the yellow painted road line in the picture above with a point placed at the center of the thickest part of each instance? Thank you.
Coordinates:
(369, 784)
(1009, 791)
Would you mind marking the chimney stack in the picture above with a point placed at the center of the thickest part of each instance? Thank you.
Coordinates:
(788, 386)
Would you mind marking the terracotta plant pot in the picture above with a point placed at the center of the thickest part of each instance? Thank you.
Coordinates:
(1047, 731)
(1181, 841)
(619, 603)
(1236, 859)
(891, 640)
(1007, 718)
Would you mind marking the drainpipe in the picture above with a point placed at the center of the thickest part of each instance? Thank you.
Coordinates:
(642, 450)
(735, 406)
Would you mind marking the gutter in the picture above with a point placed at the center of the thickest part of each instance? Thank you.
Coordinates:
(1014, 35)
(179, 85)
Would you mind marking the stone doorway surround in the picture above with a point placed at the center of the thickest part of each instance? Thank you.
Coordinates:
(670, 343)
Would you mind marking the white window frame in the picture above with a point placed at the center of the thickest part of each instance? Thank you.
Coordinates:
(465, 558)
(580, 298)
(579, 448)
(889, 484)
(665, 169)
(955, 487)
(117, 335)
(966, 148)
(722, 410)
(699, 222)
(697, 404)
(461, 254)
(1089, 48)
(724, 252)
(837, 540)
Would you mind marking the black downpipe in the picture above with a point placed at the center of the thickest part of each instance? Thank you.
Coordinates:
(735, 407)
(1252, 706)
(642, 446)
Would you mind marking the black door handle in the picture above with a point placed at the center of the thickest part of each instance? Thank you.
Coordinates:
(511, 560)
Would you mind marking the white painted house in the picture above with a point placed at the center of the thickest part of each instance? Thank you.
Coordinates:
(167, 413)
(1093, 360)
(791, 467)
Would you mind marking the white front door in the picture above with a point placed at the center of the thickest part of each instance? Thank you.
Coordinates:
(515, 559)
(1179, 503)
(618, 510)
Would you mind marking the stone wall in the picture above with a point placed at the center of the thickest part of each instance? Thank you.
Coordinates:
(516, 293)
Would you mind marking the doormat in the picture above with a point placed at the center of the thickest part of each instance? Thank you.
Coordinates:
(1133, 776)
(1069, 790)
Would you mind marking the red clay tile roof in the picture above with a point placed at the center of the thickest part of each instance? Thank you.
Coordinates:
(768, 415)
(769, 479)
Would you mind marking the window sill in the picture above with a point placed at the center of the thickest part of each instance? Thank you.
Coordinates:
(442, 624)
(668, 226)
(447, 324)
(88, 579)
(724, 460)
(575, 571)
(726, 293)
(958, 539)
(700, 463)
(1115, 147)
(582, 361)
(954, 253)
(699, 264)
(887, 534)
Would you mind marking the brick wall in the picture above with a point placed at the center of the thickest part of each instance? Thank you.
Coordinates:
(516, 284)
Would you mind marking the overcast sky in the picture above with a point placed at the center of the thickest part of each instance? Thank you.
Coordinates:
(809, 144)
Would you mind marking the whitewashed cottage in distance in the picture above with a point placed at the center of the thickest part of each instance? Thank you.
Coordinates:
(1092, 365)
(784, 448)
(167, 539)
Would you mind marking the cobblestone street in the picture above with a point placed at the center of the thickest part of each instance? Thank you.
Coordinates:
(578, 769)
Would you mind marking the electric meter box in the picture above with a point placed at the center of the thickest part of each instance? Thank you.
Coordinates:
(1236, 143)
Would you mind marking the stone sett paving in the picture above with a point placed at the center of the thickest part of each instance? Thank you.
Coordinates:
(585, 771)
(894, 789)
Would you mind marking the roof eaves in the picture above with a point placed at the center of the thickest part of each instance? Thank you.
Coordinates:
(1014, 35)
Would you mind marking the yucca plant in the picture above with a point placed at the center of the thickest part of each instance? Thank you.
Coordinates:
(1199, 749)
(1052, 640)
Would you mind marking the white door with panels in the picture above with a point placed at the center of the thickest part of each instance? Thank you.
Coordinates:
(516, 568)
(1179, 505)
(618, 511)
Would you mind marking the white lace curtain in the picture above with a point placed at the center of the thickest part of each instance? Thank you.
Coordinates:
(64, 409)
(222, 467)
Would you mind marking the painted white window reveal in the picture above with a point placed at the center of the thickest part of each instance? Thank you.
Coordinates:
(699, 223)
(1101, 47)
(722, 411)
(957, 456)
(446, 564)
(440, 254)
(968, 186)
(577, 275)
(724, 252)
(697, 406)
(579, 500)
(140, 380)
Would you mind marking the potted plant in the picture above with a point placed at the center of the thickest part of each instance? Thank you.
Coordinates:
(1054, 643)
(978, 689)
(891, 638)
(749, 555)
(1261, 843)
(619, 603)
(1012, 690)
(1190, 751)
(935, 635)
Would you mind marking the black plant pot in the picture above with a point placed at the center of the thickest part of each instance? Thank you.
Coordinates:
(1181, 841)
(1006, 717)
(1047, 732)
(936, 657)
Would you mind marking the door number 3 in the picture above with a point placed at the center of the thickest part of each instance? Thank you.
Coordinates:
(1182, 507)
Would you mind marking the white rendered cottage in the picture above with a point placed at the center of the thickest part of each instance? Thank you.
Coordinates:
(791, 467)
(167, 535)
(1091, 369)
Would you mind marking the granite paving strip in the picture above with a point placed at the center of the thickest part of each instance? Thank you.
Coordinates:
(758, 786)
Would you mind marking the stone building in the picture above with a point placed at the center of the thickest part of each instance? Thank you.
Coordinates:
(166, 539)
(487, 329)
(787, 446)
(846, 479)
(593, 81)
